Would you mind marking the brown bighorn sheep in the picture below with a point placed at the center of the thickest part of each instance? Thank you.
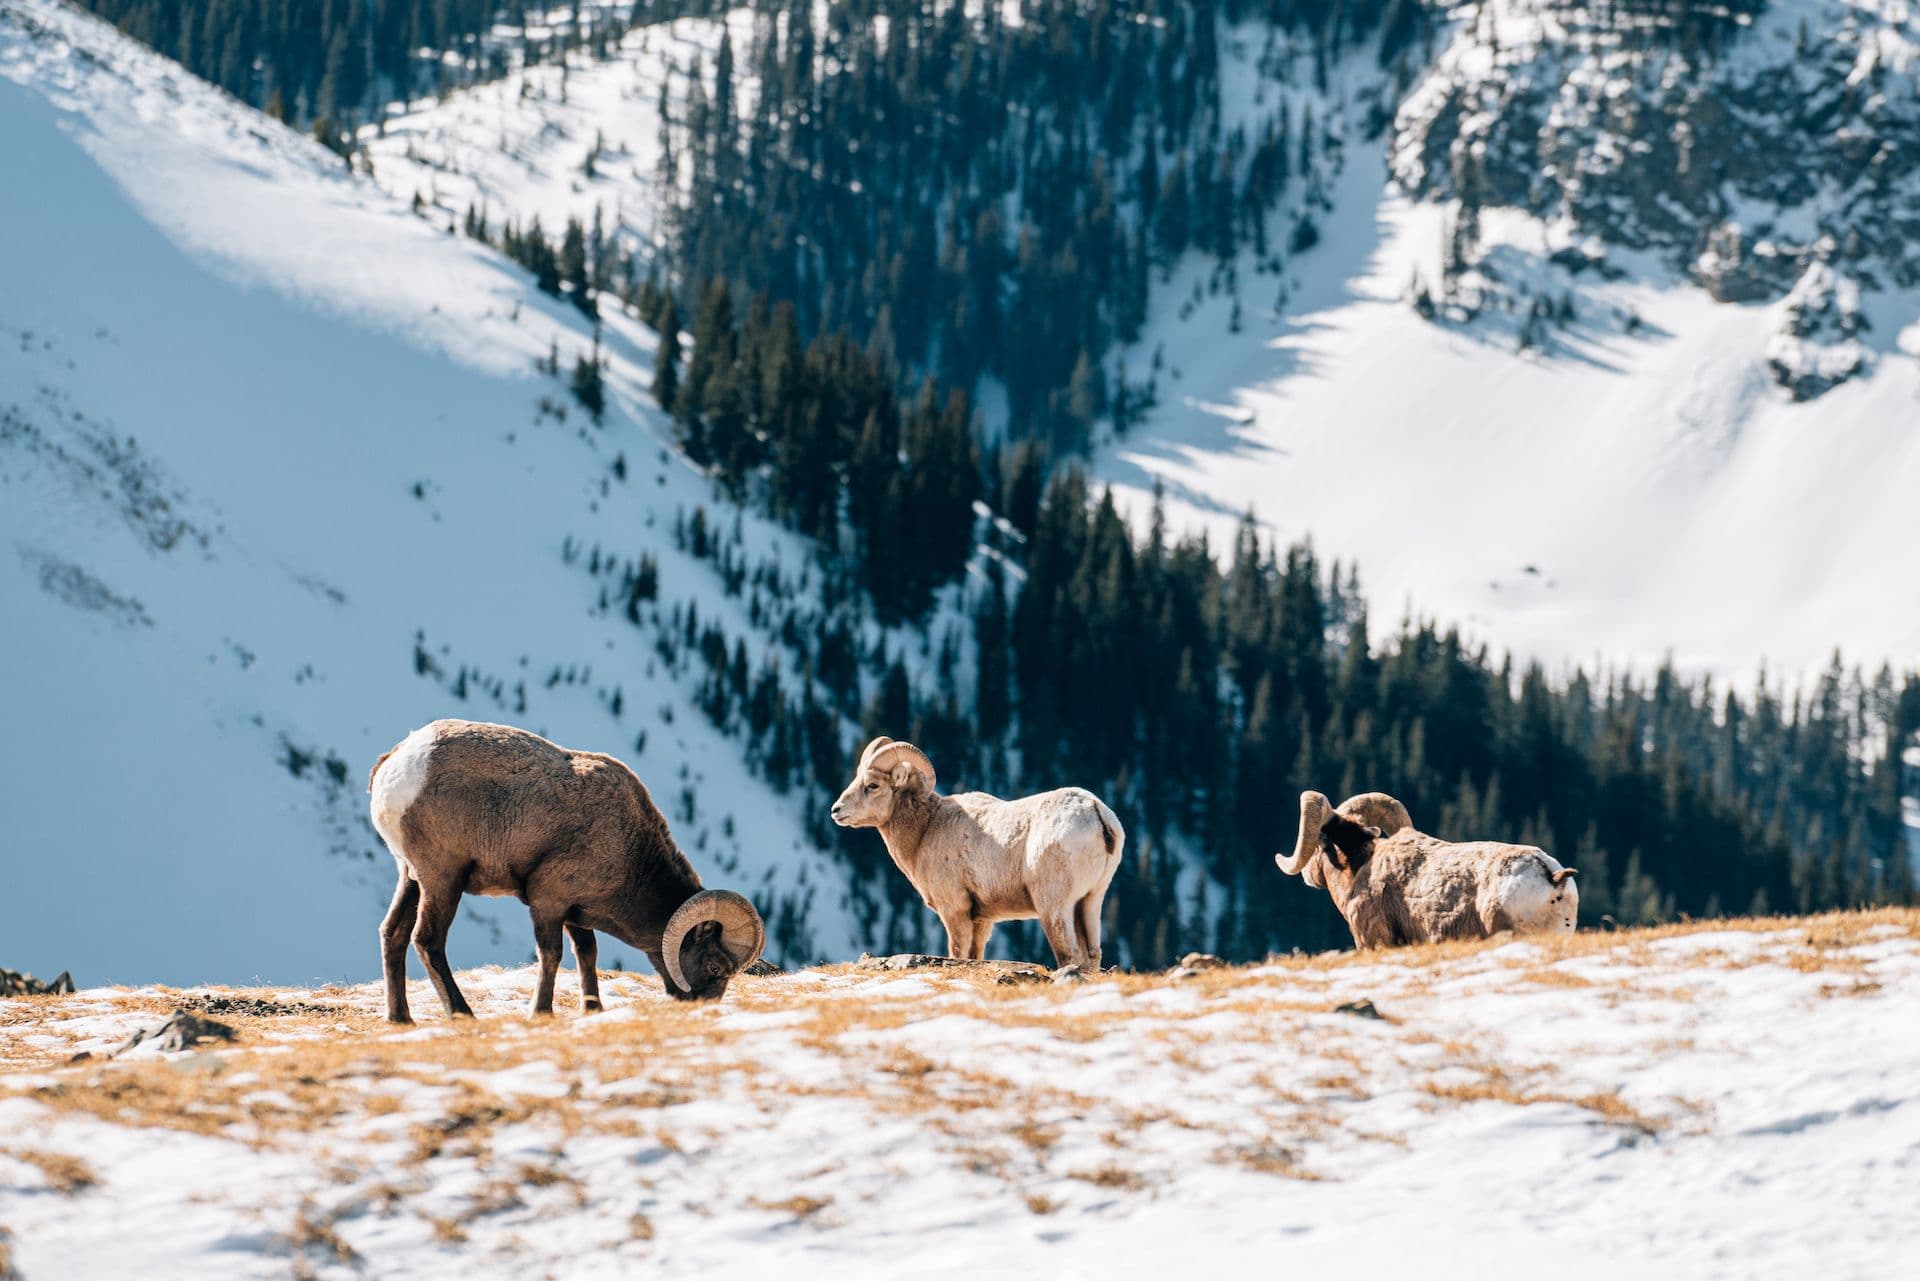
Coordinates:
(977, 859)
(1396, 885)
(470, 808)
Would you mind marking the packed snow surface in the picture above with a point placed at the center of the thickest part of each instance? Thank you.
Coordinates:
(1734, 1100)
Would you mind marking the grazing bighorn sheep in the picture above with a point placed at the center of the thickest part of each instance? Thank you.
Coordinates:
(1396, 885)
(470, 808)
(977, 859)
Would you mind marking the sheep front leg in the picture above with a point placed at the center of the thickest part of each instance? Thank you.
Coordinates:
(546, 943)
(982, 931)
(586, 959)
(959, 925)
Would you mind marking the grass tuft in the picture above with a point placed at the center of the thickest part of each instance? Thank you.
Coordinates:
(67, 1175)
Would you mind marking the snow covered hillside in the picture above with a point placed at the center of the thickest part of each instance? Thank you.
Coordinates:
(1598, 457)
(279, 481)
(1710, 1101)
(1635, 472)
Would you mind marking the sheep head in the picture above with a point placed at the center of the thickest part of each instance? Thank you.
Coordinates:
(1374, 812)
(887, 771)
(712, 937)
(1346, 842)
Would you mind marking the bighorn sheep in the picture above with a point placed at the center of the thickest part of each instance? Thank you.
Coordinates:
(470, 808)
(977, 859)
(1396, 885)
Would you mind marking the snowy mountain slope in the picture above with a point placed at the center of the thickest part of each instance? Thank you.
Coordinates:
(278, 482)
(1632, 483)
(1637, 482)
(1695, 1101)
(553, 142)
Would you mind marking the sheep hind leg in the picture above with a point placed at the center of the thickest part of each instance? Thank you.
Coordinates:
(546, 945)
(1058, 927)
(586, 959)
(1087, 916)
(438, 905)
(982, 931)
(394, 932)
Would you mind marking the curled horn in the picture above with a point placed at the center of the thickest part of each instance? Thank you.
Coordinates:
(742, 932)
(1377, 809)
(866, 756)
(896, 753)
(1314, 812)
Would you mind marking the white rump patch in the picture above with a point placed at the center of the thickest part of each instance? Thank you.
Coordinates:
(398, 784)
(1534, 903)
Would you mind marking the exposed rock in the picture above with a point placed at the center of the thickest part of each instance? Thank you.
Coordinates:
(1361, 1008)
(1069, 974)
(1817, 348)
(255, 1006)
(1009, 971)
(1201, 961)
(15, 983)
(763, 967)
(1752, 164)
(183, 1031)
(907, 961)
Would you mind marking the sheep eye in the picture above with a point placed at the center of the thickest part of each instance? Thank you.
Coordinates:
(873, 787)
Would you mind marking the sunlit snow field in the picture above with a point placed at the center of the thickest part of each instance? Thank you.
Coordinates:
(1731, 1101)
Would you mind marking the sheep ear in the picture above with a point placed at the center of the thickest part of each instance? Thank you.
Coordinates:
(904, 777)
(1375, 833)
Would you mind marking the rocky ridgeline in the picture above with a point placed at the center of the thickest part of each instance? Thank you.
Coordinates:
(1768, 155)
(15, 983)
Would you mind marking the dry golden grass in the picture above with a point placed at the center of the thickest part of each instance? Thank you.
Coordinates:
(801, 1208)
(1040, 1138)
(1110, 1176)
(293, 1074)
(1496, 1088)
(312, 1233)
(1548, 976)
(640, 1227)
(1036, 1202)
(68, 1175)
(1267, 1158)
(7, 1272)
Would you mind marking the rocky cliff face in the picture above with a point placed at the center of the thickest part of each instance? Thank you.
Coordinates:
(1769, 155)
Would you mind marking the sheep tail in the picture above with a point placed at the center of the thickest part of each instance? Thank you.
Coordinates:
(1109, 827)
(1564, 875)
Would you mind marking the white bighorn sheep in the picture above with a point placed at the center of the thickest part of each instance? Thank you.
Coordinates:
(1396, 885)
(470, 808)
(977, 859)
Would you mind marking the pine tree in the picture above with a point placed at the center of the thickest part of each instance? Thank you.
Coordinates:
(666, 357)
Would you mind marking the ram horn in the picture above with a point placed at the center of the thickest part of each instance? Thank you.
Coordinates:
(894, 753)
(742, 932)
(1377, 809)
(1314, 812)
(867, 755)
